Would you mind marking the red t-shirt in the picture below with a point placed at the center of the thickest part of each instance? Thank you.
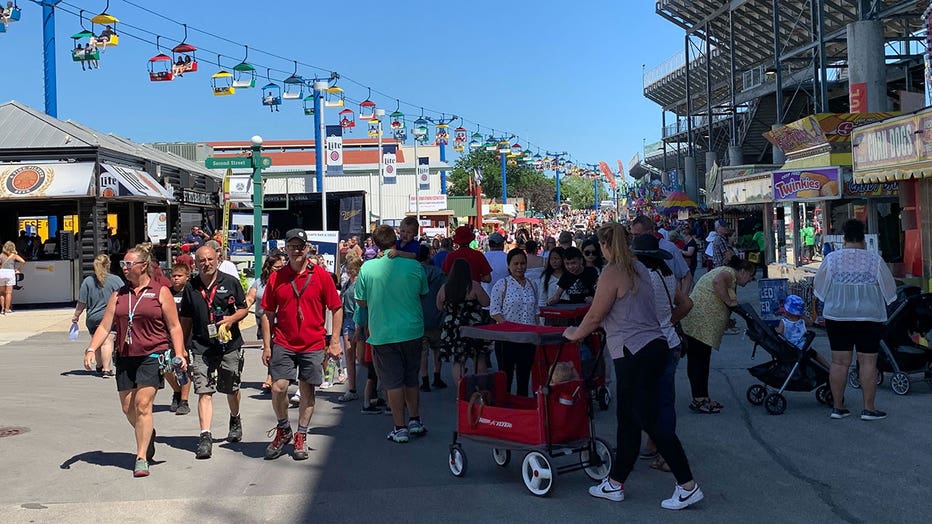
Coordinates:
(478, 265)
(281, 298)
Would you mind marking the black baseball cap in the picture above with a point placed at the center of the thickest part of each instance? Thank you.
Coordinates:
(296, 233)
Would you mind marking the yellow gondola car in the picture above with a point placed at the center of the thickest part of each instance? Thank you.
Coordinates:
(108, 37)
(222, 83)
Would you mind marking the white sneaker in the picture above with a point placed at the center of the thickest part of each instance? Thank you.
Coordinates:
(608, 490)
(349, 396)
(296, 399)
(325, 385)
(682, 498)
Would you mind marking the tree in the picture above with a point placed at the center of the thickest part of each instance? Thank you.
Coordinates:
(523, 181)
(577, 191)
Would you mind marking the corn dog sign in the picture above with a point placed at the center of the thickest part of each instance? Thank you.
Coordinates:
(807, 184)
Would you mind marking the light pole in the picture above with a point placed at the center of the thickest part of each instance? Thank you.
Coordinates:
(443, 123)
(420, 132)
(319, 131)
(48, 53)
(379, 113)
(257, 206)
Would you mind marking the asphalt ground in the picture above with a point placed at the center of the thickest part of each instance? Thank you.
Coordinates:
(74, 463)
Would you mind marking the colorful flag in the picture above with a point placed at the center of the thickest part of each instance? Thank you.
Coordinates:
(607, 171)
(621, 170)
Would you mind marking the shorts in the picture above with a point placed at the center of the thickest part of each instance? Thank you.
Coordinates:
(864, 337)
(398, 365)
(349, 327)
(136, 372)
(284, 362)
(432, 340)
(92, 326)
(214, 372)
(7, 277)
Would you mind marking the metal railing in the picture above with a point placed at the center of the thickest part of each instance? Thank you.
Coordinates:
(668, 67)
(701, 121)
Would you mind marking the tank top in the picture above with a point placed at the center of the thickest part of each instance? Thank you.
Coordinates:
(8, 262)
(632, 321)
(795, 332)
(149, 334)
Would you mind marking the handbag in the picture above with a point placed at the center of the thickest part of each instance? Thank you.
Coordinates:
(676, 327)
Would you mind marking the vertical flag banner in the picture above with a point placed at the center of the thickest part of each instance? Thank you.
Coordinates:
(423, 173)
(388, 165)
(607, 171)
(351, 215)
(334, 150)
(621, 170)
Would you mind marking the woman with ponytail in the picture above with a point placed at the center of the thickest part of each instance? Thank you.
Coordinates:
(95, 292)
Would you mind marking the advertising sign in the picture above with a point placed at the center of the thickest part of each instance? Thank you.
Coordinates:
(857, 97)
(428, 203)
(888, 144)
(326, 244)
(156, 227)
(334, 145)
(807, 184)
(423, 173)
(773, 293)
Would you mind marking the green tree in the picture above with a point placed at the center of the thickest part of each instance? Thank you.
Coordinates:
(523, 181)
(577, 191)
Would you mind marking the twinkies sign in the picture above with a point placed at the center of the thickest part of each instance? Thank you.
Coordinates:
(807, 184)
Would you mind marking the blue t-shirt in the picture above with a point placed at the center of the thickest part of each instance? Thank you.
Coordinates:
(411, 247)
(439, 257)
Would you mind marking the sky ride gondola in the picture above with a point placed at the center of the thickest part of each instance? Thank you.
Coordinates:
(442, 135)
(293, 86)
(367, 108)
(459, 138)
(347, 120)
(334, 97)
(8, 14)
(375, 128)
(160, 66)
(184, 56)
(244, 73)
(107, 37)
(309, 105)
(222, 81)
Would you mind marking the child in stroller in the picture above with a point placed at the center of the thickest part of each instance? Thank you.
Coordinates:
(794, 325)
(791, 368)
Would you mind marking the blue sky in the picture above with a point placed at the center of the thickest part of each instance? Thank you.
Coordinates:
(560, 75)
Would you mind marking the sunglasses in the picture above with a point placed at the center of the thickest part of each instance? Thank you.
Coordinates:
(296, 247)
(589, 253)
(126, 264)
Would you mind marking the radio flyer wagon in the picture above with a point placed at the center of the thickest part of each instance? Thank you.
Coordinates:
(557, 422)
(572, 315)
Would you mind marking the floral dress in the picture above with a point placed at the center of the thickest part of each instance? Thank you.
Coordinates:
(452, 346)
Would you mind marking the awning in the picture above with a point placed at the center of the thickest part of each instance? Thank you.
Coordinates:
(753, 189)
(41, 180)
(893, 174)
(119, 181)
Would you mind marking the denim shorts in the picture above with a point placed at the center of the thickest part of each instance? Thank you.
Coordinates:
(348, 328)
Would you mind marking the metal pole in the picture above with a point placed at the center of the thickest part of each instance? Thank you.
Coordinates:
(381, 167)
(708, 85)
(689, 105)
(443, 172)
(417, 190)
(777, 64)
(257, 206)
(504, 178)
(823, 68)
(48, 50)
(319, 137)
(732, 81)
(595, 189)
(557, 171)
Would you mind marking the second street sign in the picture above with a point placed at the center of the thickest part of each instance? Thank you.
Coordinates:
(235, 162)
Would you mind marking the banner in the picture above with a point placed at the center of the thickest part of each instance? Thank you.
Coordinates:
(388, 165)
(423, 173)
(807, 184)
(427, 203)
(608, 174)
(334, 150)
(351, 216)
(326, 244)
(621, 170)
(156, 226)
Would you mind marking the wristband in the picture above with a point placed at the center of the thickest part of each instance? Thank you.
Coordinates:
(89, 350)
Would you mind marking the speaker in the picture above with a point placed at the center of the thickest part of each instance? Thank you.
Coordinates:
(67, 247)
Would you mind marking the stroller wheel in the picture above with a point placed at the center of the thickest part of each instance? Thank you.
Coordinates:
(457, 461)
(537, 474)
(604, 452)
(756, 394)
(824, 395)
(900, 383)
(853, 379)
(879, 377)
(501, 456)
(605, 398)
(775, 404)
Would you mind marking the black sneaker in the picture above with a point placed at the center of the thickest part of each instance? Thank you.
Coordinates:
(439, 384)
(873, 415)
(204, 445)
(176, 399)
(282, 436)
(236, 430)
(840, 413)
(425, 387)
(150, 452)
(183, 408)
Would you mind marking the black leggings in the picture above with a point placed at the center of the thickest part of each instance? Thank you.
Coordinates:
(639, 379)
(699, 357)
(517, 359)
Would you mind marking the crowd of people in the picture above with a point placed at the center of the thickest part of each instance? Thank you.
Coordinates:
(392, 314)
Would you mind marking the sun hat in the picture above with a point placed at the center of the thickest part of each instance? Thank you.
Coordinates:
(463, 236)
(648, 245)
(794, 305)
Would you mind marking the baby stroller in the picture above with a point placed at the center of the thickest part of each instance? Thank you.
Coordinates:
(790, 369)
(571, 315)
(557, 422)
(910, 314)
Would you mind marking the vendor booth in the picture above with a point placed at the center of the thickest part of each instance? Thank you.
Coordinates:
(68, 193)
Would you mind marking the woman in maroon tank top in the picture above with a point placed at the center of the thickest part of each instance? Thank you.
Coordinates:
(145, 318)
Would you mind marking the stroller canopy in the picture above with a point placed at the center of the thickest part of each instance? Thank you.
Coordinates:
(516, 333)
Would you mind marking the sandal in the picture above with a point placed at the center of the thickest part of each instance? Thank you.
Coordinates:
(703, 406)
(715, 404)
(266, 386)
(660, 465)
(648, 455)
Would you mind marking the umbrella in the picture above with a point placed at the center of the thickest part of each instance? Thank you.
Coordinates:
(677, 201)
(526, 220)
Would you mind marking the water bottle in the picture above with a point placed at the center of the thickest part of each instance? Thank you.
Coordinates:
(73, 332)
(180, 375)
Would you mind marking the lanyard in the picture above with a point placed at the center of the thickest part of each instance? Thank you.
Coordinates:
(130, 308)
(213, 292)
(297, 293)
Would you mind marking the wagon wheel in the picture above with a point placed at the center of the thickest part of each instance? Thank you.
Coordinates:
(457, 461)
(537, 474)
(501, 456)
(604, 453)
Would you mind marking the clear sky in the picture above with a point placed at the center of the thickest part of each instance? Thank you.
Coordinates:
(560, 75)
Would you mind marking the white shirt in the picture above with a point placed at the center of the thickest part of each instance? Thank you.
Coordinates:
(662, 302)
(229, 268)
(498, 260)
(709, 240)
(515, 302)
(855, 284)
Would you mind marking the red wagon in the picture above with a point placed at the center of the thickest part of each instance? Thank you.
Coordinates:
(593, 369)
(557, 422)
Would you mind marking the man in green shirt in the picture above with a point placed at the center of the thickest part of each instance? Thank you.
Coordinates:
(391, 289)
(807, 238)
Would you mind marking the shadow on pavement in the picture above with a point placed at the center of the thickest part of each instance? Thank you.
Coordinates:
(80, 373)
(103, 458)
(248, 449)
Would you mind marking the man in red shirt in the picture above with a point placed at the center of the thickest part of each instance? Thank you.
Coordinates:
(479, 267)
(294, 303)
(185, 257)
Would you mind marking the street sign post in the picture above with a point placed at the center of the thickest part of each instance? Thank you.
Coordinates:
(235, 162)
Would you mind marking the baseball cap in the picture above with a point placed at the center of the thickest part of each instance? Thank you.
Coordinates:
(296, 233)
(722, 223)
(496, 238)
(566, 237)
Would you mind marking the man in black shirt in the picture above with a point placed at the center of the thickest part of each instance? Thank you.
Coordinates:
(215, 304)
(578, 281)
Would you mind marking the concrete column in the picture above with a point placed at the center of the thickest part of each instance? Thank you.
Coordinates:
(690, 183)
(710, 158)
(735, 155)
(866, 69)
(665, 178)
(778, 156)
